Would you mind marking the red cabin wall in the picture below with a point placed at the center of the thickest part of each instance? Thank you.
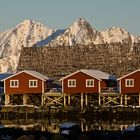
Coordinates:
(80, 84)
(103, 84)
(136, 88)
(24, 84)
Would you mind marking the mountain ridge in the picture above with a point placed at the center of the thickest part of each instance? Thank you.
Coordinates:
(25, 34)
(34, 34)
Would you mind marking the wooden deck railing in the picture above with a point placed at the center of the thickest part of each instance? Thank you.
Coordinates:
(109, 90)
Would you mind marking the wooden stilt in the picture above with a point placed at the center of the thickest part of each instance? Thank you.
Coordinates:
(82, 125)
(103, 100)
(24, 99)
(86, 127)
(99, 99)
(69, 99)
(42, 99)
(125, 100)
(82, 101)
(139, 99)
(121, 99)
(64, 100)
(86, 98)
(7, 99)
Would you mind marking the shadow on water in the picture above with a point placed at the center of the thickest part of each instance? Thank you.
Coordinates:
(52, 123)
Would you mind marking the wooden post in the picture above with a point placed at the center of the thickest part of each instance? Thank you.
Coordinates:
(121, 99)
(82, 101)
(69, 99)
(24, 99)
(82, 125)
(125, 100)
(99, 99)
(42, 128)
(86, 127)
(103, 99)
(7, 99)
(42, 99)
(86, 98)
(64, 100)
(139, 99)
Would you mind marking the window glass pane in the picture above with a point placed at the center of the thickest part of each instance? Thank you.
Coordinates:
(127, 82)
(35, 84)
(89, 83)
(71, 83)
(12, 83)
(32, 83)
(131, 82)
(15, 83)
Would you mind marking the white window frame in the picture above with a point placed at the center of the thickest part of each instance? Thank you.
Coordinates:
(15, 85)
(71, 80)
(89, 80)
(126, 80)
(33, 86)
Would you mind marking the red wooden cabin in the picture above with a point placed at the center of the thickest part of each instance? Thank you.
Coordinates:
(87, 81)
(25, 82)
(130, 83)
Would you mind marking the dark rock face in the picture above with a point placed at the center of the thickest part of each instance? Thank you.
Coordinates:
(58, 61)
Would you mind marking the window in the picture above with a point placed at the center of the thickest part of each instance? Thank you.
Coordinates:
(72, 83)
(32, 83)
(14, 83)
(90, 83)
(129, 82)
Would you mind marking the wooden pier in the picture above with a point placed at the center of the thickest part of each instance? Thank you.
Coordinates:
(54, 102)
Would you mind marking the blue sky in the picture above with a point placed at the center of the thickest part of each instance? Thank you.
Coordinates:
(59, 14)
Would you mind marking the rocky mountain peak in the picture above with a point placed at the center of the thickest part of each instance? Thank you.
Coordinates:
(79, 33)
(30, 33)
(116, 34)
(25, 34)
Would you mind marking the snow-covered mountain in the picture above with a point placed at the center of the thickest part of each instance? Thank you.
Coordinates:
(81, 32)
(116, 35)
(30, 33)
(25, 34)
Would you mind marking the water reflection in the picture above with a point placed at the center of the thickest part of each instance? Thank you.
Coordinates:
(52, 124)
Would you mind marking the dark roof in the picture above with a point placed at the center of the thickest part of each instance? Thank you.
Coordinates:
(5, 75)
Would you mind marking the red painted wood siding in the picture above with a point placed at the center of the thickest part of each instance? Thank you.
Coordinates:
(80, 84)
(103, 84)
(136, 88)
(24, 84)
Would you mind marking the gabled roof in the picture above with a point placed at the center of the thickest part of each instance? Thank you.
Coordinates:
(97, 74)
(33, 73)
(128, 74)
(4, 75)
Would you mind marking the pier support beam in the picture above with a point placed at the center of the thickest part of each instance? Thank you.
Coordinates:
(42, 99)
(125, 98)
(64, 96)
(99, 100)
(24, 99)
(7, 99)
(86, 100)
(139, 99)
(82, 105)
(103, 100)
(121, 99)
(69, 99)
